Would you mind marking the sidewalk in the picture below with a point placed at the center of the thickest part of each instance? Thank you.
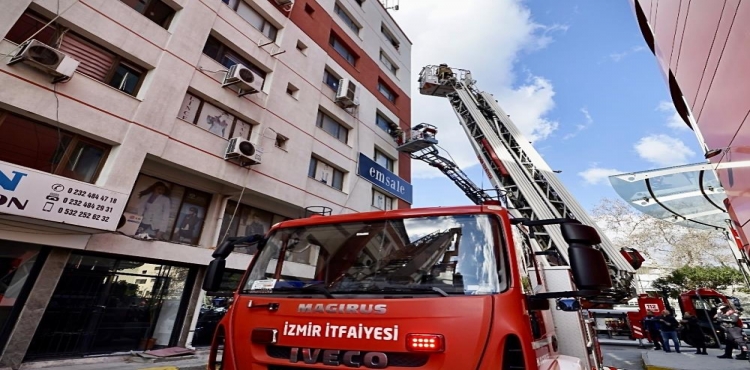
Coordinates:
(129, 362)
(621, 342)
(687, 360)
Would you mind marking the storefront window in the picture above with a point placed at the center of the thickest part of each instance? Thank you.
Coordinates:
(19, 265)
(106, 305)
(166, 211)
(247, 221)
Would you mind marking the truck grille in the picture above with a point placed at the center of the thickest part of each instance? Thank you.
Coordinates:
(401, 359)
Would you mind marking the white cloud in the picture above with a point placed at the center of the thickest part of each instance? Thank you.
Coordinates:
(597, 175)
(488, 45)
(616, 57)
(663, 150)
(588, 121)
(674, 120)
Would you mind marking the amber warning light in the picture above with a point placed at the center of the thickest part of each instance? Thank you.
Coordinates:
(425, 343)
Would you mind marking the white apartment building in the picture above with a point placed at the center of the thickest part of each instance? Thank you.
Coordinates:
(114, 182)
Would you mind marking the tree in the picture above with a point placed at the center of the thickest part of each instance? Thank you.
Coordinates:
(692, 277)
(668, 244)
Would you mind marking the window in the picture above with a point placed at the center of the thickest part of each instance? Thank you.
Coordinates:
(388, 63)
(348, 20)
(212, 118)
(309, 10)
(386, 91)
(281, 141)
(302, 47)
(383, 160)
(141, 281)
(95, 62)
(360, 2)
(166, 211)
(292, 90)
(383, 123)
(155, 10)
(342, 49)
(456, 253)
(381, 201)
(247, 221)
(331, 79)
(389, 36)
(222, 54)
(251, 16)
(156, 302)
(326, 173)
(49, 149)
(332, 127)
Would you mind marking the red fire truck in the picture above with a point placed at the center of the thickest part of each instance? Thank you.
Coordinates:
(702, 303)
(433, 288)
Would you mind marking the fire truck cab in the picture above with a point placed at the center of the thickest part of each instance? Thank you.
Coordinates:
(430, 288)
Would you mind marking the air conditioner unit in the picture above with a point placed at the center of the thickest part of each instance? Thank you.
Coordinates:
(241, 76)
(347, 94)
(46, 58)
(243, 150)
(284, 2)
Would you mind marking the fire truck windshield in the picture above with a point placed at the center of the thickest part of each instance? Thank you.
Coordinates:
(425, 255)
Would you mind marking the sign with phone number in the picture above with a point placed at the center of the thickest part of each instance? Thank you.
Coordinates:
(35, 194)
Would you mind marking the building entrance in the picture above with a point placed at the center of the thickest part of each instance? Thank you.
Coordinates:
(108, 305)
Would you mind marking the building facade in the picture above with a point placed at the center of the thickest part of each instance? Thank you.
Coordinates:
(114, 187)
(700, 47)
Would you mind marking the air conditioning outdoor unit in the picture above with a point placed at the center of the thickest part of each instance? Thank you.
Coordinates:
(284, 2)
(241, 76)
(243, 150)
(347, 94)
(46, 58)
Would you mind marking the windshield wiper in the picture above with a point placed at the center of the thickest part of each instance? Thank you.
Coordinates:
(313, 288)
(415, 289)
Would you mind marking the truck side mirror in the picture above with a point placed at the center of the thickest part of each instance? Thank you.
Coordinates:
(590, 270)
(537, 304)
(576, 232)
(214, 273)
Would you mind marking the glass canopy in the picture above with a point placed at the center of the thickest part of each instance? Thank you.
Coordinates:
(689, 195)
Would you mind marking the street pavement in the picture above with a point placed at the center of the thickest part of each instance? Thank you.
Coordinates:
(688, 360)
(193, 362)
(628, 356)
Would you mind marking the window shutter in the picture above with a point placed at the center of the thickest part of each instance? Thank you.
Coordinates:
(95, 62)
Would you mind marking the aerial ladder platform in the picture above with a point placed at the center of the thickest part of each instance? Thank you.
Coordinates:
(527, 185)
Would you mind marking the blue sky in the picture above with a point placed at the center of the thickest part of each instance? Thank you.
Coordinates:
(576, 76)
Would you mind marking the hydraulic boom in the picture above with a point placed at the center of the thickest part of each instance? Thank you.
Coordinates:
(530, 189)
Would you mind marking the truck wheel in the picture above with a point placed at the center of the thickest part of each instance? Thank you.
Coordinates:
(710, 340)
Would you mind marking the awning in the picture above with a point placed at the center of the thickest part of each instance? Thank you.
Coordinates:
(689, 195)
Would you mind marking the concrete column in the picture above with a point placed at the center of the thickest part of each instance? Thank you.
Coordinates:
(193, 310)
(36, 304)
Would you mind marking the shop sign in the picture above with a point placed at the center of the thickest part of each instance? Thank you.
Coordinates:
(384, 179)
(35, 194)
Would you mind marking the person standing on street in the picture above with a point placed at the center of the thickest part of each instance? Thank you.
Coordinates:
(669, 326)
(729, 320)
(651, 325)
(695, 333)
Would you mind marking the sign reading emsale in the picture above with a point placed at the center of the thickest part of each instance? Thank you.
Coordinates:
(35, 194)
(384, 179)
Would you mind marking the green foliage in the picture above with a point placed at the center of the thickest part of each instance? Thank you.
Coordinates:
(691, 277)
